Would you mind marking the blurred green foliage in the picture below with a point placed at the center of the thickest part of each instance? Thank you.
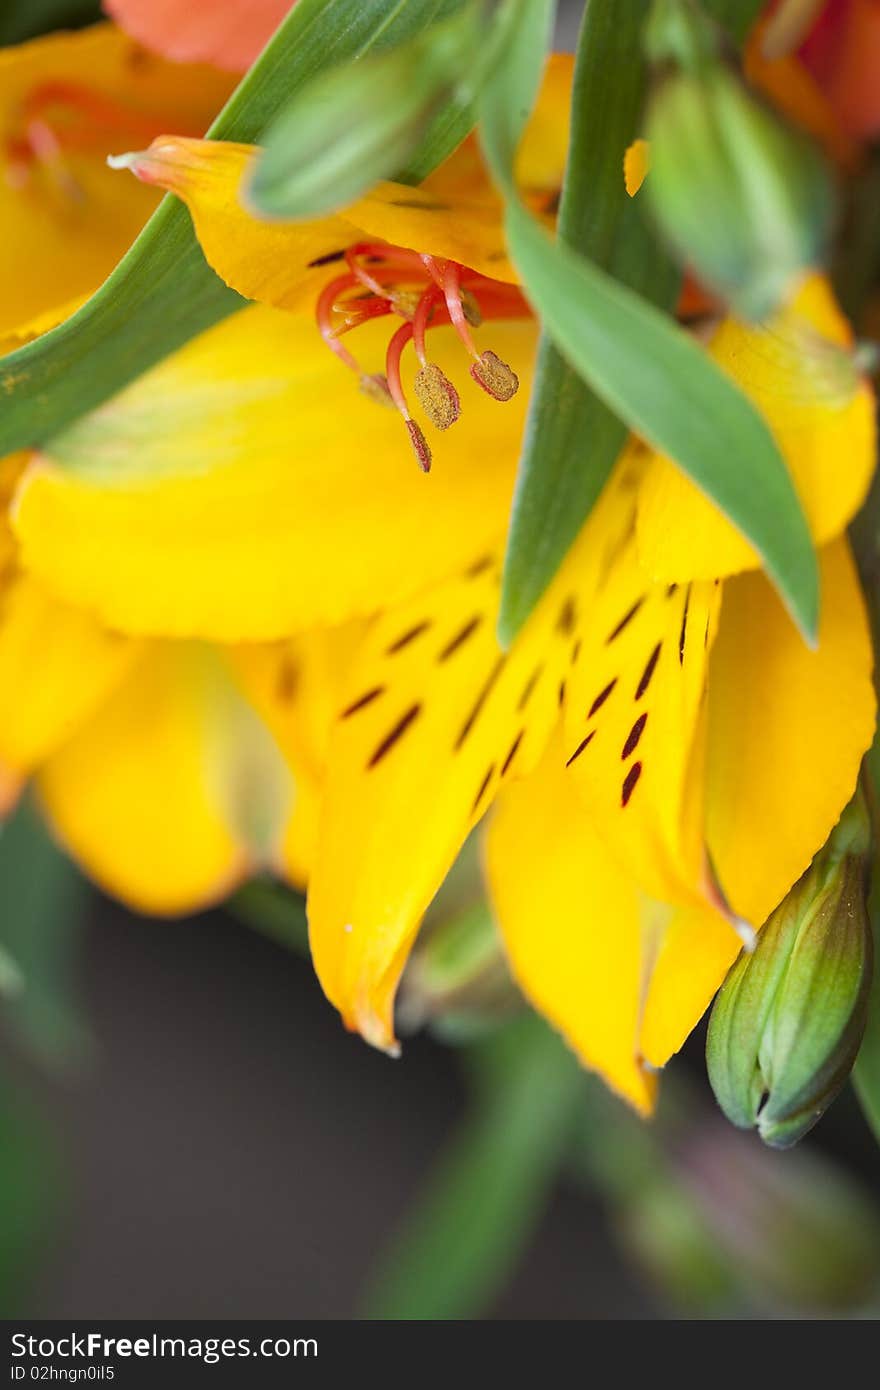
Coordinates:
(24, 19)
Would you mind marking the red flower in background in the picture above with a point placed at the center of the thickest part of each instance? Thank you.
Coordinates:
(228, 33)
(841, 49)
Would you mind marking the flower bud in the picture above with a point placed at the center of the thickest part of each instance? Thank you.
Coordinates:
(788, 1020)
(457, 980)
(743, 199)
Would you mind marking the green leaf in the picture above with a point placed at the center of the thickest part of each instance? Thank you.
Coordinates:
(659, 380)
(559, 480)
(31, 17)
(163, 293)
(485, 1195)
(360, 122)
(654, 378)
(33, 1197)
(42, 898)
(273, 910)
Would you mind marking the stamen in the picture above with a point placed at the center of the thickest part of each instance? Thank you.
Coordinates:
(495, 377)
(384, 279)
(487, 368)
(437, 396)
(395, 386)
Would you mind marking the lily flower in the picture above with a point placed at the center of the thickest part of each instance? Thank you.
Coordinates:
(66, 101)
(430, 256)
(664, 753)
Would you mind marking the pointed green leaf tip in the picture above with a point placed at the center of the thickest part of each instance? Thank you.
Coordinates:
(623, 364)
(659, 380)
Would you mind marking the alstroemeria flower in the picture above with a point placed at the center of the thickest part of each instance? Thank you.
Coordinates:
(172, 770)
(66, 101)
(227, 33)
(430, 255)
(665, 751)
(701, 756)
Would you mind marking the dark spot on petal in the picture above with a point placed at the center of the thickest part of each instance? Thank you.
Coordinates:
(420, 204)
(627, 618)
(363, 701)
(460, 638)
(479, 702)
(565, 622)
(671, 589)
(479, 567)
(629, 783)
(561, 694)
(528, 688)
(396, 733)
(601, 698)
(648, 672)
(584, 743)
(512, 751)
(575, 652)
(682, 636)
(634, 735)
(287, 680)
(483, 786)
(329, 259)
(409, 636)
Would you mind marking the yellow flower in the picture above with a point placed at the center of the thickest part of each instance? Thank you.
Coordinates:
(665, 753)
(428, 254)
(702, 756)
(171, 770)
(66, 101)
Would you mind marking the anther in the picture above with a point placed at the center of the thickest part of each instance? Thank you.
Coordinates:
(420, 445)
(471, 308)
(437, 396)
(375, 386)
(495, 377)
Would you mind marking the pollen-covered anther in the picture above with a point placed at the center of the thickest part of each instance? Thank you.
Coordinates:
(375, 386)
(495, 377)
(405, 302)
(420, 445)
(471, 308)
(437, 396)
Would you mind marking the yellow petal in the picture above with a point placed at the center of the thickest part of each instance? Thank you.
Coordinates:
(636, 162)
(634, 724)
(787, 731)
(695, 953)
(543, 150)
(267, 494)
(435, 719)
(821, 414)
(285, 263)
(65, 222)
(173, 791)
(571, 924)
(56, 666)
(296, 686)
(455, 213)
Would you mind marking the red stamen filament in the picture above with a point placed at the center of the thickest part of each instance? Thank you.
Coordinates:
(392, 282)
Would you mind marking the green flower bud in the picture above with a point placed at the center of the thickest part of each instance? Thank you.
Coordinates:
(358, 123)
(457, 981)
(739, 195)
(788, 1020)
